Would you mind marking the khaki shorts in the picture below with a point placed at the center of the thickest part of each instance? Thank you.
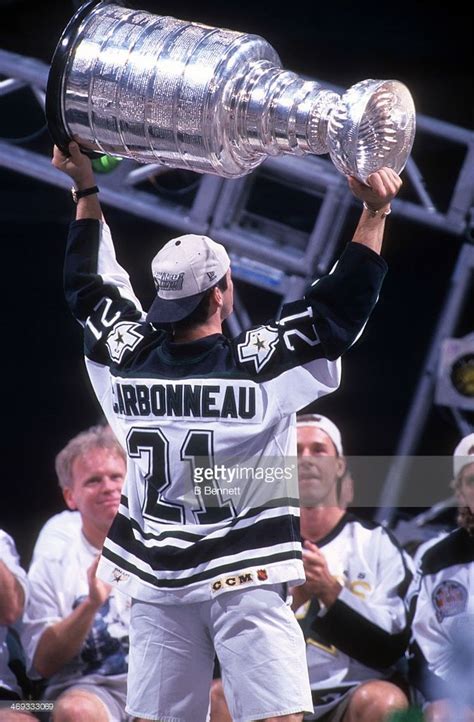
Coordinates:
(256, 637)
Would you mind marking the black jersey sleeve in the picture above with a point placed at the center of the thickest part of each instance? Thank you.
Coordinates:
(100, 296)
(343, 300)
(323, 324)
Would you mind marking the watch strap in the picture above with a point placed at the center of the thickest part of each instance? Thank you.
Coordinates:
(77, 194)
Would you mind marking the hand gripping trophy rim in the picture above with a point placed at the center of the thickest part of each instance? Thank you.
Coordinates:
(210, 100)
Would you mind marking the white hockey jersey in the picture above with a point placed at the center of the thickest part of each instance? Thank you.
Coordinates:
(210, 501)
(363, 634)
(442, 604)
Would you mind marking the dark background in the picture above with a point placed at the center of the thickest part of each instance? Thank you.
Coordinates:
(46, 395)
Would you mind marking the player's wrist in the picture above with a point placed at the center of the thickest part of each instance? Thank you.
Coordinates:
(83, 182)
(377, 211)
(92, 603)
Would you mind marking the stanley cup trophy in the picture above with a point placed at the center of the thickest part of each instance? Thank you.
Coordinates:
(156, 89)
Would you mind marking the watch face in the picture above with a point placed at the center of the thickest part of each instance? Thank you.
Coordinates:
(74, 194)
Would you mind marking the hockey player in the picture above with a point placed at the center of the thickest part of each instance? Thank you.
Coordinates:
(207, 531)
(351, 608)
(443, 624)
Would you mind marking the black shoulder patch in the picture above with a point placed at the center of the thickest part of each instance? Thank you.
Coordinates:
(456, 548)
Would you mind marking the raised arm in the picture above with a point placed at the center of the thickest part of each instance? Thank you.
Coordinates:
(79, 168)
(52, 641)
(342, 301)
(376, 197)
(97, 288)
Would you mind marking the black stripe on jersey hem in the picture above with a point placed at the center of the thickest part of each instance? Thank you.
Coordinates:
(215, 573)
(281, 501)
(167, 532)
(264, 533)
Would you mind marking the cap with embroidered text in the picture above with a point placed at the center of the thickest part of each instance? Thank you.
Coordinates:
(183, 270)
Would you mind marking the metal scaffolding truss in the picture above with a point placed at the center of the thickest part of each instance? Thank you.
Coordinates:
(277, 251)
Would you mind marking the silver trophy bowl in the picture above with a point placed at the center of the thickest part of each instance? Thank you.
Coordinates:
(131, 84)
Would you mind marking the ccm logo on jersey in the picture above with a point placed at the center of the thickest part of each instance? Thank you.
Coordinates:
(238, 579)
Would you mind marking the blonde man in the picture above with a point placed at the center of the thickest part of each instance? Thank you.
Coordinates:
(76, 627)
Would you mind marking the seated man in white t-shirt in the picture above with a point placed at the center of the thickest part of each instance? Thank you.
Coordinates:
(76, 628)
(56, 534)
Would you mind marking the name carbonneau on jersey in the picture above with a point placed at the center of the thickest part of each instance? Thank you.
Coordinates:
(212, 499)
(197, 399)
(186, 411)
(203, 512)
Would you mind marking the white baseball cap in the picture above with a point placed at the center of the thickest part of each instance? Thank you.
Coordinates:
(183, 270)
(328, 426)
(463, 454)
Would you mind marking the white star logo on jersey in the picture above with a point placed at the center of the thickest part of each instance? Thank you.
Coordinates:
(259, 346)
(123, 338)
